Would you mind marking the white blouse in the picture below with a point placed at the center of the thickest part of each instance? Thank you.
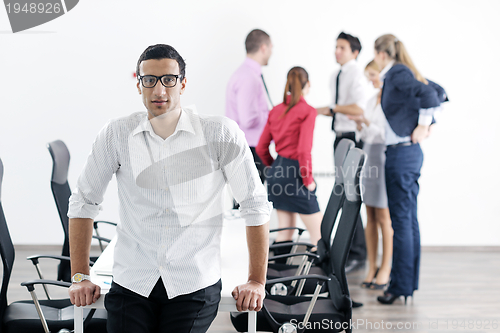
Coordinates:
(375, 133)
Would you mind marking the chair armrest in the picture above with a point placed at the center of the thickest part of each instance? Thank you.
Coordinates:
(34, 259)
(298, 277)
(107, 240)
(276, 246)
(282, 256)
(289, 228)
(31, 284)
(105, 222)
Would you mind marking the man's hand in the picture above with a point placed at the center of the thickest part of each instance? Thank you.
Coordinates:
(420, 133)
(84, 293)
(249, 296)
(325, 111)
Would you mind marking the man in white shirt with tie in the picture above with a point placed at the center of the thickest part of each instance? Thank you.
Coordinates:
(171, 166)
(349, 89)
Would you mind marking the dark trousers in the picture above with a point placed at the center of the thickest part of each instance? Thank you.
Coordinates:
(129, 312)
(358, 246)
(402, 171)
(260, 167)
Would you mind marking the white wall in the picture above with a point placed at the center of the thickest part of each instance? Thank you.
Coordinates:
(65, 79)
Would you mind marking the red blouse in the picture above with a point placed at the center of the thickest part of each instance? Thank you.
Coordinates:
(292, 135)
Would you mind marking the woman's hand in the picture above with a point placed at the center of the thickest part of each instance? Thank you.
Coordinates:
(311, 187)
(419, 133)
(360, 120)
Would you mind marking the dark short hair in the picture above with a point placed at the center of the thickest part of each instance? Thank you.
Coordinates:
(255, 39)
(162, 51)
(353, 41)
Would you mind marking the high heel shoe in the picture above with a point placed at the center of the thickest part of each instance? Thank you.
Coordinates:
(368, 285)
(376, 286)
(389, 298)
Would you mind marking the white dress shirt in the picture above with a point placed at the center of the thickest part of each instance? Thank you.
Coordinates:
(375, 132)
(353, 89)
(171, 197)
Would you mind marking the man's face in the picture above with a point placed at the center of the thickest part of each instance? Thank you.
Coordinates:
(343, 52)
(268, 51)
(160, 100)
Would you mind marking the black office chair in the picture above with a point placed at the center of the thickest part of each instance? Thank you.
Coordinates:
(332, 210)
(35, 316)
(61, 191)
(306, 311)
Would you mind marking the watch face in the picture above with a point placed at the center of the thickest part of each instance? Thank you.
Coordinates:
(78, 277)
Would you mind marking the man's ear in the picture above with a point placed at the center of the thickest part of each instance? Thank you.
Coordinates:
(183, 85)
(356, 54)
(263, 47)
(139, 87)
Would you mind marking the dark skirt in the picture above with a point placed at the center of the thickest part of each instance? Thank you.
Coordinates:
(286, 190)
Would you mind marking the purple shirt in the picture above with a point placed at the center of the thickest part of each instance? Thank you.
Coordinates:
(246, 101)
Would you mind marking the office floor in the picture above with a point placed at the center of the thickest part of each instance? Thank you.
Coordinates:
(459, 292)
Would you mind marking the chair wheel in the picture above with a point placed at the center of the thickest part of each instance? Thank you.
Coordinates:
(279, 289)
(287, 328)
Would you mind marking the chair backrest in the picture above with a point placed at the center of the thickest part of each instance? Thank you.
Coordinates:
(61, 192)
(352, 168)
(6, 252)
(336, 197)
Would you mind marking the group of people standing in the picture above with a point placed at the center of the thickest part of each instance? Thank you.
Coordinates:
(387, 110)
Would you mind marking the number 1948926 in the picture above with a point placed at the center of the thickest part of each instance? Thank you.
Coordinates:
(47, 8)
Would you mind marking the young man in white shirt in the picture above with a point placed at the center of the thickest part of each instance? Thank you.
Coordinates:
(171, 166)
(349, 89)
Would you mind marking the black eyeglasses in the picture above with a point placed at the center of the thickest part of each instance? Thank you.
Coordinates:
(168, 81)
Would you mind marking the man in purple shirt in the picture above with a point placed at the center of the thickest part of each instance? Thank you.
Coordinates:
(246, 101)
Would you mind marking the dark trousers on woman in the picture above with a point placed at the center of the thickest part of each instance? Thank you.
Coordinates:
(358, 246)
(129, 312)
(402, 171)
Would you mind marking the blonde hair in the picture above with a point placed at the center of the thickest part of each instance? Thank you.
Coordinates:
(373, 65)
(397, 51)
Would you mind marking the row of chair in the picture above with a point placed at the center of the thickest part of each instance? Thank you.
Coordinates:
(278, 311)
(321, 272)
(37, 316)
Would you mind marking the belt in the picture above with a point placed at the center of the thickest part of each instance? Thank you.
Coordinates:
(401, 144)
(344, 133)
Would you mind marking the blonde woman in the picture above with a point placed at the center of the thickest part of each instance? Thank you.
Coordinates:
(371, 126)
(408, 102)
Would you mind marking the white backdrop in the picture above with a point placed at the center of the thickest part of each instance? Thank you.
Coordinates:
(66, 78)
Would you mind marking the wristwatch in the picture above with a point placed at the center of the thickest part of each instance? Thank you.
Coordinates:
(332, 112)
(79, 277)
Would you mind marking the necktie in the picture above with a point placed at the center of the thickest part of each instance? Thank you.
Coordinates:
(336, 98)
(262, 76)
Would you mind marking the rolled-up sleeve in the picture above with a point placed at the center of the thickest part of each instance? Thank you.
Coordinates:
(242, 176)
(360, 91)
(102, 163)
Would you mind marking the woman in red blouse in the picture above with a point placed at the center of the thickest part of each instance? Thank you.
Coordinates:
(290, 183)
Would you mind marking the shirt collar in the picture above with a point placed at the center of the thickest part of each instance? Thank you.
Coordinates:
(184, 124)
(386, 69)
(254, 65)
(348, 64)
